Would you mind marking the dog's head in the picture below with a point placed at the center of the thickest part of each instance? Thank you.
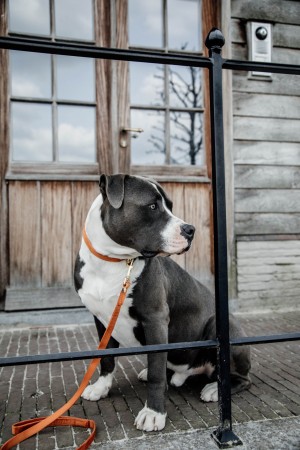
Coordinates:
(137, 213)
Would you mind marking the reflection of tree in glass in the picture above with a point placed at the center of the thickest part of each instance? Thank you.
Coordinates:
(186, 93)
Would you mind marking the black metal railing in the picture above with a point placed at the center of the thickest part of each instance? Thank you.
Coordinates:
(224, 435)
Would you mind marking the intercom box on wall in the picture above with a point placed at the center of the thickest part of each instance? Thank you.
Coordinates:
(259, 45)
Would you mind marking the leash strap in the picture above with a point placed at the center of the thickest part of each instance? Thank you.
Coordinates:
(27, 428)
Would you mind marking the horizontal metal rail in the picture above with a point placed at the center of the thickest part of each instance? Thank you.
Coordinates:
(92, 51)
(288, 69)
(159, 348)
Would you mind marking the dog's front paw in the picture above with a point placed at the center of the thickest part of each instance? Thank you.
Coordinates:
(150, 420)
(178, 379)
(210, 392)
(98, 390)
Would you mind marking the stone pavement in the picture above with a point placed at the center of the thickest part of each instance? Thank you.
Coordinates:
(265, 417)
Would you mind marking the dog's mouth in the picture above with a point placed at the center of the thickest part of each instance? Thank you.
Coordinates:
(186, 249)
(152, 254)
(148, 253)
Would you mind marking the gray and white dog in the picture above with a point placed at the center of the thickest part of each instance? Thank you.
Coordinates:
(132, 218)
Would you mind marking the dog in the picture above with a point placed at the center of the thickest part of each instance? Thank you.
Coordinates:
(132, 218)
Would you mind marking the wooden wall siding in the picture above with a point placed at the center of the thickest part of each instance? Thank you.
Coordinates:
(103, 85)
(25, 234)
(270, 10)
(4, 135)
(267, 223)
(266, 129)
(56, 237)
(191, 202)
(267, 153)
(268, 274)
(44, 234)
(83, 195)
(123, 101)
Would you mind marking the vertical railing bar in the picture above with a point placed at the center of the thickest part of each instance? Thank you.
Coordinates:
(223, 436)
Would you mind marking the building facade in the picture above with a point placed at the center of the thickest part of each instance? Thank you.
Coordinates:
(65, 120)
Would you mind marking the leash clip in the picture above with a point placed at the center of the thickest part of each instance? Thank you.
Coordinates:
(126, 282)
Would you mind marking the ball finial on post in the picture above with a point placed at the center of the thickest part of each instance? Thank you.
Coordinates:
(215, 40)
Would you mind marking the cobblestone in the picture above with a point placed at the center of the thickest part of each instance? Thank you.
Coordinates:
(37, 390)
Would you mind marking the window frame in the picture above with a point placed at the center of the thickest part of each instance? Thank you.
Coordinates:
(48, 169)
(171, 170)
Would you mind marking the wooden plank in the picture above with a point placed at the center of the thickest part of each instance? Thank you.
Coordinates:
(123, 102)
(264, 304)
(266, 105)
(268, 270)
(170, 171)
(266, 129)
(266, 223)
(197, 212)
(175, 192)
(266, 153)
(57, 267)
(45, 298)
(267, 200)
(103, 87)
(292, 244)
(277, 85)
(24, 234)
(271, 11)
(279, 55)
(286, 35)
(275, 177)
(4, 146)
(83, 194)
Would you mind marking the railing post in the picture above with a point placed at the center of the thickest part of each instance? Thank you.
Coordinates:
(223, 436)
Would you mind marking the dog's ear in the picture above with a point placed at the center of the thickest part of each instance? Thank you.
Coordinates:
(112, 188)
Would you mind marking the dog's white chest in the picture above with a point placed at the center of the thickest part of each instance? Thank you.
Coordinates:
(100, 292)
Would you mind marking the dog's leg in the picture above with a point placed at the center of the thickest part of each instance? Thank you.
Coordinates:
(239, 364)
(101, 387)
(153, 416)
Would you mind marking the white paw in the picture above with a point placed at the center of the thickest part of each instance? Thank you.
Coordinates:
(98, 390)
(178, 379)
(210, 392)
(143, 375)
(150, 420)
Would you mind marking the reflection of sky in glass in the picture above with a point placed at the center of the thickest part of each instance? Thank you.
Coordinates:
(147, 85)
(31, 135)
(30, 16)
(148, 147)
(75, 78)
(74, 19)
(30, 74)
(184, 24)
(185, 87)
(145, 23)
(183, 18)
(76, 133)
(186, 138)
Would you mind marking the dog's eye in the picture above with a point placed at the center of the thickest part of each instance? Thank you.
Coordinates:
(153, 206)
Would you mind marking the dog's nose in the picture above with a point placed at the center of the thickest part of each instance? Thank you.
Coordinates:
(187, 231)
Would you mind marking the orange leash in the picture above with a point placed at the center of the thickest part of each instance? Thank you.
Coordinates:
(27, 428)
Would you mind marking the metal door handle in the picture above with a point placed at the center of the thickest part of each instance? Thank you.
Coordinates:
(124, 135)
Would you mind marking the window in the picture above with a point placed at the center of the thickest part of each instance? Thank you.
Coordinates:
(166, 101)
(53, 109)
